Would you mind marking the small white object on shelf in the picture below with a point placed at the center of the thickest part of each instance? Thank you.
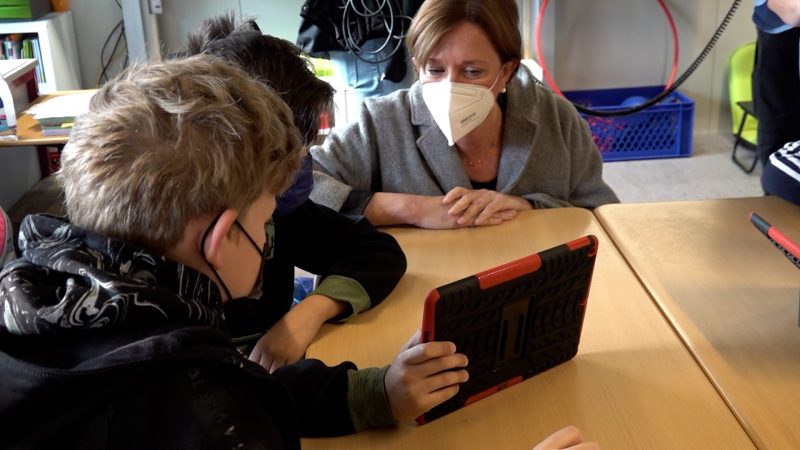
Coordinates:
(17, 87)
(59, 51)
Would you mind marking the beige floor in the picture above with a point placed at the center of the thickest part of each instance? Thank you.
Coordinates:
(707, 173)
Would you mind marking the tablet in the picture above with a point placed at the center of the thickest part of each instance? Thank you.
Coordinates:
(788, 247)
(512, 321)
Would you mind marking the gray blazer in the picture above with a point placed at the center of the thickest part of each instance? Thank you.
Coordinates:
(548, 156)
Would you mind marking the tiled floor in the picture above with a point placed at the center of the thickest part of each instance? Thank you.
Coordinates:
(708, 173)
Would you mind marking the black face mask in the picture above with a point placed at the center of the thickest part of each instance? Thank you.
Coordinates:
(266, 253)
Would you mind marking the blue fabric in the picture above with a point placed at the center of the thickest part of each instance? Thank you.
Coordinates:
(366, 78)
(298, 192)
(766, 20)
(781, 176)
(302, 287)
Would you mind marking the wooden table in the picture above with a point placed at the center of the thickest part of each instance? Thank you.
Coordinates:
(29, 132)
(633, 384)
(731, 296)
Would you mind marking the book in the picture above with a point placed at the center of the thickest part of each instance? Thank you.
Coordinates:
(58, 130)
(57, 114)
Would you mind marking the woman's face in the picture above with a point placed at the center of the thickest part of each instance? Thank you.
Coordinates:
(466, 55)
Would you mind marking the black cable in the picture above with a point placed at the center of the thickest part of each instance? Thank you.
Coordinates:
(357, 24)
(711, 43)
(105, 65)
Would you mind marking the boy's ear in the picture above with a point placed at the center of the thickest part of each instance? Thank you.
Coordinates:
(215, 241)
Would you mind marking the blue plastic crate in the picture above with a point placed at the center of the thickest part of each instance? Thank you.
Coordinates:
(663, 130)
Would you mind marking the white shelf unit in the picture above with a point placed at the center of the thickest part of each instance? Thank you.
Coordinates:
(59, 51)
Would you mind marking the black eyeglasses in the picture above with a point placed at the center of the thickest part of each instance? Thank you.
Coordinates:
(266, 252)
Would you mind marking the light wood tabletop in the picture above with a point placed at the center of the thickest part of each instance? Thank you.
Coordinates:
(633, 384)
(29, 132)
(731, 296)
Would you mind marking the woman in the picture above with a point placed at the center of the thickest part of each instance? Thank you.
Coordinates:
(472, 142)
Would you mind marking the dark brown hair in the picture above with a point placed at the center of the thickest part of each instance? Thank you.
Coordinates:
(276, 62)
(497, 18)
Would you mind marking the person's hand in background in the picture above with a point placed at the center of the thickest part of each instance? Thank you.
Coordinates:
(567, 438)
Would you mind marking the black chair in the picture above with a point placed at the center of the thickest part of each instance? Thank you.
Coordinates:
(748, 111)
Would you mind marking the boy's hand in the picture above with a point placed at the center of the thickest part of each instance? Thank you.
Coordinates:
(419, 378)
(287, 341)
(567, 438)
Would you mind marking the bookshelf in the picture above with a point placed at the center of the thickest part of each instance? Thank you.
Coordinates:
(59, 52)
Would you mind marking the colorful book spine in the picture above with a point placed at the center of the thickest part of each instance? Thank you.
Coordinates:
(16, 46)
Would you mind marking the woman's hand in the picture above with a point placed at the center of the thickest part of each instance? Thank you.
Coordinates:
(437, 212)
(482, 207)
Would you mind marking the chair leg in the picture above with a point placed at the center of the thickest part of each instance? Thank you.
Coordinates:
(736, 144)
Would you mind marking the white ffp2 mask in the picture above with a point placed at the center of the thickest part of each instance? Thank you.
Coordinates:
(458, 108)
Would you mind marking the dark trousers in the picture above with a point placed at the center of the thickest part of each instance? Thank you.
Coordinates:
(776, 182)
(776, 90)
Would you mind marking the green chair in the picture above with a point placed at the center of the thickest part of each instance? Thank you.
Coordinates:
(743, 120)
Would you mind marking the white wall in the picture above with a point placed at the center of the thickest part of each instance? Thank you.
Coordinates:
(598, 44)
(623, 43)
(94, 20)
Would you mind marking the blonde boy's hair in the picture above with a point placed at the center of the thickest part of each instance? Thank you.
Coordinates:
(166, 143)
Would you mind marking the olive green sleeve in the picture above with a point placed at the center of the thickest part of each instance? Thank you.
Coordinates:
(366, 398)
(346, 290)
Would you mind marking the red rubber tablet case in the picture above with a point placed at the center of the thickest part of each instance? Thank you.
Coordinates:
(512, 321)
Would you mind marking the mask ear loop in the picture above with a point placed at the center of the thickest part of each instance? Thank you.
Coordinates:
(261, 250)
(505, 89)
(203, 252)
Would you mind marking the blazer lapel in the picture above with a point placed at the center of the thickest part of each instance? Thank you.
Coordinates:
(519, 130)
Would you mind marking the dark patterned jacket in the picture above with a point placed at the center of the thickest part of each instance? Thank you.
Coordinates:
(107, 345)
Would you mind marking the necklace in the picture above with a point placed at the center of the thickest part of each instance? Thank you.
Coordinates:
(471, 162)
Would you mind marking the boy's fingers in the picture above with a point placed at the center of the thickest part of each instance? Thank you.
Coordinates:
(415, 339)
(423, 352)
(445, 379)
(443, 363)
(435, 398)
(276, 365)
